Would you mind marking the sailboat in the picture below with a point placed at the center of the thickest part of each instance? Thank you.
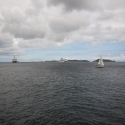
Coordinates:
(100, 63)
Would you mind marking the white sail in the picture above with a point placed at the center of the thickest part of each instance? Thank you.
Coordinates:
(100, 63)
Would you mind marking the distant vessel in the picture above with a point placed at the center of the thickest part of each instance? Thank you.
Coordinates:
(63, 60)
(14, 60)
(100, 63)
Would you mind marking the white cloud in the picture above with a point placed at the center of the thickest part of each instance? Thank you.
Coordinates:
(68, 22)
(16, 23)
(122, 56)
(59, 22)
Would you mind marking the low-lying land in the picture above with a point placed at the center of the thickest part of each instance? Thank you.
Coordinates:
(105, 60)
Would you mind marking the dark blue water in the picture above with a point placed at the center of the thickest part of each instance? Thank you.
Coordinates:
(62, 94)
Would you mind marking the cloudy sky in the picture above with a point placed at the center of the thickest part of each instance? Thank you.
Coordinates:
(39, 30)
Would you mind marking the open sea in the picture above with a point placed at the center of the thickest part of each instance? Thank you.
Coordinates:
(52, 93)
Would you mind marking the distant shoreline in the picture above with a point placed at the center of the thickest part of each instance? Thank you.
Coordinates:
(70, 61)
(105, 60)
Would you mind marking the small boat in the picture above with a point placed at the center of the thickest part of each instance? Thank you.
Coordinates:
(100, 63)
(63, 60)
(14, 60)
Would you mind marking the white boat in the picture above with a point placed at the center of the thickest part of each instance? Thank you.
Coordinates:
(63, 60)
(14, 60)
(100, 63)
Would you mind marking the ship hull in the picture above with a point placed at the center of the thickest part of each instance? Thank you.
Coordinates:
(14, 62)
(99, 66)
(62, 61)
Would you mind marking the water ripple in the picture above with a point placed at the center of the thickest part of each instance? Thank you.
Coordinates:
(62, 94)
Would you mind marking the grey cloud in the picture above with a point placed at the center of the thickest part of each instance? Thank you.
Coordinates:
(14, 16)
(45, 24)
(57, 37)
(11, 51)
(37, 42)
(115, 4)
(5, 40)
(62, 27)
(29, 34)
(37, 3)
(31, 12)
(106, 16)
(7, 45)
(21, 26)
(25, 32)
(76, 4)
(66, 25)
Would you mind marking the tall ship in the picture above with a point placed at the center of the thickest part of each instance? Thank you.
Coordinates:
(100, 63)
(14, 60)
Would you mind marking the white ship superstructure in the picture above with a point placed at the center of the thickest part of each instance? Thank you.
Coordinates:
(63, 60)
(14, 60)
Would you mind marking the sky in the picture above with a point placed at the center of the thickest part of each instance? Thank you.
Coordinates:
(40, 30)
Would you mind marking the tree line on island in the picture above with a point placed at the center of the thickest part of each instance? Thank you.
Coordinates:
(74, 60)
(105, 60)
